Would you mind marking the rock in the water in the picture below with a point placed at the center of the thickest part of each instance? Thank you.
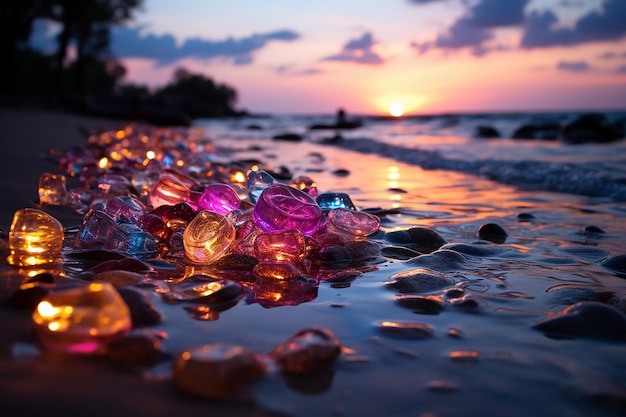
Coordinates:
(421, 304)
(588, 319)
(441, 260)
(420, 239)
(308, 351)
(483, 131)
(542, 131)
(142, 310)
(615, 263)
(418, 280)
(592, 128)
(289, 137)
(219, 371)
(492, 232)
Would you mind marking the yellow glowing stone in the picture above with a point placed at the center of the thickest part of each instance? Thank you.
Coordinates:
(81, 319)
(35, 238)
(207, 237)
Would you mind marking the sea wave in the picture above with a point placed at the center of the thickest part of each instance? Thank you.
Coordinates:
(588, 179)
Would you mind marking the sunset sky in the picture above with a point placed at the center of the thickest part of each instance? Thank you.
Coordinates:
(432, 56)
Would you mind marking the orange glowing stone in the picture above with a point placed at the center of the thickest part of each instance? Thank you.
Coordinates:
(168, 190)
(52, 189)
(207, 237)
(35, 238)
(81, 319)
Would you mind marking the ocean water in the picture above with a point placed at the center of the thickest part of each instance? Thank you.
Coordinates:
(487, 358)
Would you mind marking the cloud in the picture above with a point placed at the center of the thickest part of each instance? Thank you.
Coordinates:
(423, 1)
(358, 51)
(475, 27)
(129, 42)
(573, 66)
(609, 24)
(289, 70)
(621, 69)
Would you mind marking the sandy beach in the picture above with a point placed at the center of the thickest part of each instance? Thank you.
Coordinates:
(28, 135)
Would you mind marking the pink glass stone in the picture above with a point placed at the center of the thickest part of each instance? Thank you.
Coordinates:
(52, 189)
(155, 225)
(281, 207)
(207, 237)
(168, 191)
(219, 198)
(287, 246)
(81, 319)
(354, 223)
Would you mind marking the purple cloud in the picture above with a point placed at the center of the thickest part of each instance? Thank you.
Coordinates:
(358, 51)
(475, 27)
(573, 66)
(621, 69)
(608, 24)
(129, 42)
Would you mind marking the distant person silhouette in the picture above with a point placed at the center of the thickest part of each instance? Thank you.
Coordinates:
(341, 116)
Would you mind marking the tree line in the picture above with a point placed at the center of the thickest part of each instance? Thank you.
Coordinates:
(92, 82)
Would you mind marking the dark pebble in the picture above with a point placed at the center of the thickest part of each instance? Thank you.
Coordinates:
(142, 311)
(403, 329)
(492, 232)
(235, 261)
(525, 217)
(616, 263)
(441, 260)
(418, 281)
(467, 303)
(29, 296)
(398, 252)
(594, 230)
(135, 348)
(588, 319)
(420, 304)
(420, 239)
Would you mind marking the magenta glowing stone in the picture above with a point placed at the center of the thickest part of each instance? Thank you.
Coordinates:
(281, 207)
(219, 198)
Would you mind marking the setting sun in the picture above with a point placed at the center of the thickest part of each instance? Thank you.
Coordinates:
(396, 109)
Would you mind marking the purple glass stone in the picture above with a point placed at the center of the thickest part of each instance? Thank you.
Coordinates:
(219, 198)
(281, 207)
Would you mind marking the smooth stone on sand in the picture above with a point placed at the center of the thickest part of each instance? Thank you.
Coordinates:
(308, 351)
(615, 263)
(418, 280)
(589, 319)
(441, 260)
(219, 370)
(492, 232)
(420, 239)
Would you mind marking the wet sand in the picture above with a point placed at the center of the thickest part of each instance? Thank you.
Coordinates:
(485, 360)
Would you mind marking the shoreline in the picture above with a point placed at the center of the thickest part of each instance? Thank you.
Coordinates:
(28, 135)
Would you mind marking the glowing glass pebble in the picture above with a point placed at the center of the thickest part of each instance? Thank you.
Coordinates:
(52, 189)
(125, 209)
(99, 230)
(143, 181)
(357, 224)
(280, 271)
(335, 200)
(256, 182)
(281, 207)
(81, 319)
(305, 184)
(219, 198)
(35, 238)
(168, 191)
(287, 246)
(207, 237)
